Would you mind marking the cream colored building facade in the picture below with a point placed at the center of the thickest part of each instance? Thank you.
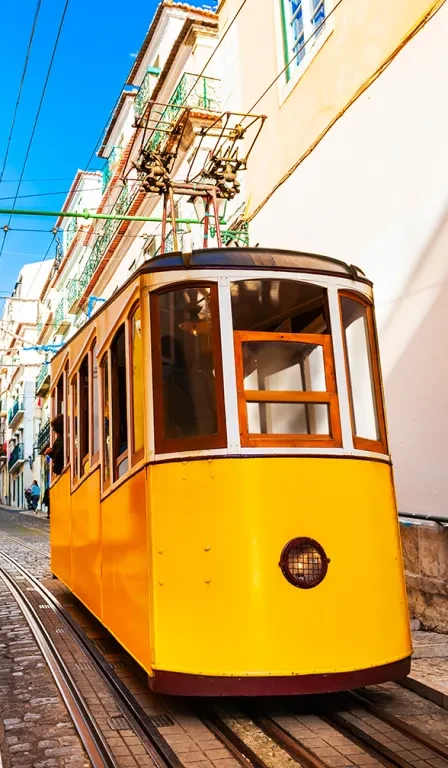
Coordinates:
(352, 163)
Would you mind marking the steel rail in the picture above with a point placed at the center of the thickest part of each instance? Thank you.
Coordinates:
(239, 749)
(27, 546)
(382, 753)
(92, 739)
(160, 751)
(289, 743)
(411, 731)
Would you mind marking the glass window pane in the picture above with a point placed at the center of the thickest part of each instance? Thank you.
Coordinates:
(279, 305)
(288, 418)
(137, 380)
(188, 364)
(95, 414)
(119, 396)
(282, 366)
(75, 427)
(354, 320)
(106, 425)
(84, 414)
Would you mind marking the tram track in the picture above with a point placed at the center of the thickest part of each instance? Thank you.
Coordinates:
(20, 543)
(138, 721)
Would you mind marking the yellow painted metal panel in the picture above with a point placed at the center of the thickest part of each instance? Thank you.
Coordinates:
(125, 567)
(221, 603)
(86, 543)
(60, 528)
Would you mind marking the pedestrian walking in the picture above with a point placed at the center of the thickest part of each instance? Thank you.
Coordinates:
(35, 495)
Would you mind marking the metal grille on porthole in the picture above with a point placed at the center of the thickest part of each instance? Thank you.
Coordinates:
(304, 563)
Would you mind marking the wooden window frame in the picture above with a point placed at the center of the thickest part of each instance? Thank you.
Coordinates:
(199, 442)
(363, 443)
(94, 457)
(104, 367)
(74, 384)
(118, 459)
(328, 397)
(84, 461)
(138, 455)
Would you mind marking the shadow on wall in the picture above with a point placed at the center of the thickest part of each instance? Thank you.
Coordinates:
(414, 341)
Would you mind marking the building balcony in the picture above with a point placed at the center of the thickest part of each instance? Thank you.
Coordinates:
(3, 452)
(16, 458)
(72, 295)
(15, 413)
(43, 380)
(111, 165)
(70, 233)
(105, 237)
(3, 407)
(145, 91)
(43, 438)
(197, 93)
(61, 321)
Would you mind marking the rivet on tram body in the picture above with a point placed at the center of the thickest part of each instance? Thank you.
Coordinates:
(207, 581)
(161, 583)
(207, 548)
(184, 462)
(160, 551)
(209, 461)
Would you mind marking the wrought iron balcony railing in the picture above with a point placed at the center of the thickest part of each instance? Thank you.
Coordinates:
(125, 199)
(17, 455)
(112, 163)
(169, 241)
(191, 91)
(71, 233)
(59, 315)
(145, 90)
(43, 437)
(72, 292)
(43, 380)
(16, 408)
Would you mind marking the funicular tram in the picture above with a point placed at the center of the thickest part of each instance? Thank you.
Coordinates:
(227, 505)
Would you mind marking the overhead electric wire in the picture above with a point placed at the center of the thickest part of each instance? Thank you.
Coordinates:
(36, 119)
(22, 80)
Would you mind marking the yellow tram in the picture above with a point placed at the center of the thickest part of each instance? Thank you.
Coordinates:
(227, 504)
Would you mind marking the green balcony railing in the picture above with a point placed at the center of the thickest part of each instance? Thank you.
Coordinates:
(60, 315)
(191, 91)
(18, 454)
(103, 240)
(111, 165)
(71, 233)
(145, 90)
(14, 410)
(43, 437)
(43, 379)
(72, 291)
(169, 241)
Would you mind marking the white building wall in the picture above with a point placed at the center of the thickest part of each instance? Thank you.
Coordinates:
(375, 193)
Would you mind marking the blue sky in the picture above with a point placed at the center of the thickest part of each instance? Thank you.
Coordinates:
(93, 59)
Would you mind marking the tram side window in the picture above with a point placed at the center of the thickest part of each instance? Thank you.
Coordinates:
(95, 411)
(120, 457)
(84, 416)
(284, 359)
(189, 401)
(75, 428)
(137, 385)
(363, 372)
(106, 420)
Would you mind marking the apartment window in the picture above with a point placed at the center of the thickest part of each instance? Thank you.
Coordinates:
(302, 21)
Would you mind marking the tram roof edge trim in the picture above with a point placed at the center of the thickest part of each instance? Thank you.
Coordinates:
(257, 258)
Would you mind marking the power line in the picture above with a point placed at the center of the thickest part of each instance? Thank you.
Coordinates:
(29, 181)
(50, 66)
(62, 192)
(25, 67)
